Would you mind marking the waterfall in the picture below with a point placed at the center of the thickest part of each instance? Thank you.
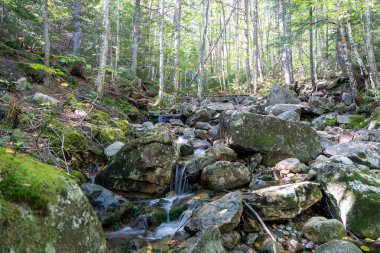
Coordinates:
(180, 182)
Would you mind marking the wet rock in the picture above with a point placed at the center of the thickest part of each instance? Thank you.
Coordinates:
(143, 165)
(224, 213)
(113, 149)
(206, 241)
(338, 246)
(200, 144)
(278, 109)
(282, 95)
(285, 201)
(320, 229)
(108, 206)
(200, 115)
(42, 99)
(353, 194)
(291, 164)
(366, 153)
(186, 149)
(290, 115)
(231, 240)
(201, 134)
(219, 107)
(275, 138)
(224, 175)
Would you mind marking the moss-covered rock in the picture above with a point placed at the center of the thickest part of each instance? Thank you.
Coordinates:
(320, 229)
(357, 121)
(43, 210)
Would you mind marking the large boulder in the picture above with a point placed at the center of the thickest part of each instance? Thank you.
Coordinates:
(285, 201)
(43, 210)
(206, 241)
(366, 153)
(202, 115)
(353, 194)
(144, 165)
(320, 105)
(224, 213)
(282, 95)
(277, 139)
(338, 246)
(108, 206)
(224, 175)
(320, 229)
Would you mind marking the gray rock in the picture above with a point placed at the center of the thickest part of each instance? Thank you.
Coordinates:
(214, 133)
(176, 122)
(203, 125)
(224, 213)
(251, 238)
(42, 98)
(108, 206)
(343, 119)
(21, 84)
(243, 249)
(320, 105)
(143, 165)
(347, 98)
(113, 149)
(224, 175)
(201, 144)
(291, 164)
(201, 134)
(186, 149)
(338, 246)
(285, 201)
(219, 107)
(353, 194)
(269, 246)
(276, 139)
(200, 115)
(282, 95)
(231, 240)
(206, 241)
(320, 229)
(290, 115)
(148, 124)
(366, 153)
(187, 109)
(278, 109)
(324, 120)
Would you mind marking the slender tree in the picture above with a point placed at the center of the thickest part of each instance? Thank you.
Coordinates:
(373, 73)
(46, 42)
(135, 36)
(255, 46)
(246, 44)
(117, 49)
(177, 44)
(162, 67)
(284, 49)
(103, 48)
(203, 49)
(311, 52)
(77, 37)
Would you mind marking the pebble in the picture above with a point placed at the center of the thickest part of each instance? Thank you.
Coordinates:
(281, 226)
(286, 233)
(310, 245)
(289, 228)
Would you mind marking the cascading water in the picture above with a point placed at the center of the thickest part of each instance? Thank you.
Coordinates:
(180, 184)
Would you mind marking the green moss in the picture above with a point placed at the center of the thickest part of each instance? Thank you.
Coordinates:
(70, 97)
(330, 122)
(24, 179)
(108, 135)
(357, 121)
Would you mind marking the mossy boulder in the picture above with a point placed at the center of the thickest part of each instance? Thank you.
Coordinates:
(353, 194)
(43, 210)
(144, 165)
(275, 138)
(320, 229)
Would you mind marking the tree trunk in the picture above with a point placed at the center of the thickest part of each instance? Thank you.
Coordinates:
(373, 73)
(246, 45)
(117, 50)
(288, 35)
(103, 48)
(237, 59)
(77, 28)
(284, 49)
(311, 57)
(177, 44)
(162, 70)
(2, 15)
(255, 46)
(203, 49)
(47, 42)
(135, 36)
(344, 51)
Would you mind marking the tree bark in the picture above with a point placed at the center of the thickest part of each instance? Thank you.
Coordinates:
(373, 73)
(237, 59)
(255, 46)
(288, 34)
(344, 51)
(162, 70)
(77, 36)
(103, 48)
(203, 49)
(284, 49)
(2, 16)
(311, 56)
(117, 50)
(246, 45)
(135, 36)
(177, 44)
(47, 42)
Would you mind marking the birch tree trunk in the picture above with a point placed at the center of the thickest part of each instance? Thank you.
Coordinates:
(255, 46)
(177, 44)
(288, 35)
(311, 54)
(203, 49)
(117, 50)
(162, 70)
(47, 42)
(103, 48)
(237, 60)
(246, 45)
(77, 36)
(373, 73)
(284, 49)
(135, 36)
(344, 51)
